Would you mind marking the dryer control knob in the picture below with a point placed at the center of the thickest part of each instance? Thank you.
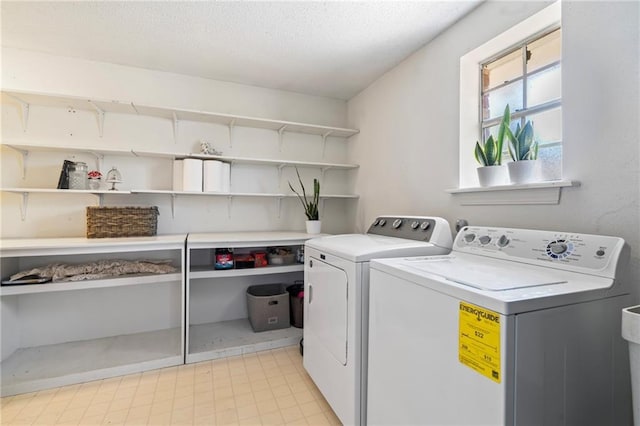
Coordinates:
(415, 224)
(375, 222)
(469, 237)
(397, 223)
(558, 247)
(503, 241)
(382, 222)
(485, 239)
(425, 225)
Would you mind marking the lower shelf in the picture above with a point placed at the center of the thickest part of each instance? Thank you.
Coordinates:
(231, 338)
(43, 367)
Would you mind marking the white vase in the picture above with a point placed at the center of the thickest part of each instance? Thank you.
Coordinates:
(94, 184)
(524, 171)
(492, 175)
(313, 226)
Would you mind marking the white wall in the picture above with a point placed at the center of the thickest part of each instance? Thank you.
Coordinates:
(409, 126)
(64, 215)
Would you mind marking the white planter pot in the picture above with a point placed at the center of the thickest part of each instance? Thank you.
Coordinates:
(524, 171)
(492, 175)
(313, 226)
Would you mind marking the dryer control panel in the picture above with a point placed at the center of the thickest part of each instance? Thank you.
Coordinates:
(585, 253)
(434, 230)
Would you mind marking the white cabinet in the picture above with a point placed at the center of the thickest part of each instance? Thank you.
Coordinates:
(60, 333)
(217, 317)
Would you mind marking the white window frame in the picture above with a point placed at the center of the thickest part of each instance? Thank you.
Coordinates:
(470, 124)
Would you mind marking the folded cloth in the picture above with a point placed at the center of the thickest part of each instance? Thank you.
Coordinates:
(100, 269)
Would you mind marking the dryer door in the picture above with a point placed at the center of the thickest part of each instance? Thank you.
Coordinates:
(327, 307)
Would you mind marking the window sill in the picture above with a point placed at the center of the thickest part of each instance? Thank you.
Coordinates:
(528, 193)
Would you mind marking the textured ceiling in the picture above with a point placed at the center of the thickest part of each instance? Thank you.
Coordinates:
(333, 49)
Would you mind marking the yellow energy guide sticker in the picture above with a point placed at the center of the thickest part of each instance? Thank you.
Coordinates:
(479, 340)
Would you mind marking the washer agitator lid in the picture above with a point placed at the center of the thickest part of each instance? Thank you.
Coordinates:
(486, 274)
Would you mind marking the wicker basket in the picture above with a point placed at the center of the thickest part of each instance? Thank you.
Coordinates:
(106, 222)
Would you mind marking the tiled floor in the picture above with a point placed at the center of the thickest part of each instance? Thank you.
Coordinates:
(268, 388)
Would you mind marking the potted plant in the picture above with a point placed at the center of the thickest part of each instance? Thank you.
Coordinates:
(310, 206)
(489, 155)
(523, 149)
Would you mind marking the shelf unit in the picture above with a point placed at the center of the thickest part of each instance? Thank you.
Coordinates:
(99, 154)
(230, 333)
(97, 324)
(101, 107)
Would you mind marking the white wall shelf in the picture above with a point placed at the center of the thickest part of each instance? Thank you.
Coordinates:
(99, 154)
(43, 329)
(50, 287)
(203, 272)
(24, 149)
(48, 366)
(232, 335)
(101, 107)
(236, 337)
(24, 192)
(528, 193)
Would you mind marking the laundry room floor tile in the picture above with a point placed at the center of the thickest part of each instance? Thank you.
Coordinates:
(265, 388)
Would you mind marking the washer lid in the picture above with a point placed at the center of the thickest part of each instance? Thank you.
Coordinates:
(364, 247)
(485, 273)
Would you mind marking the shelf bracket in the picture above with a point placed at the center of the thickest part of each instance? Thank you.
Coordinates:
(229, 203)
(324, 141)
(280, 167)
(25, 156)
(100, 200)
(280, 132)
(24, 109)
(231, 125)
(99, 117)
(23, 207)
(99, 160)
(279, 206)
(322, 172)
(322, 201)
(173, 206)
(175, 127)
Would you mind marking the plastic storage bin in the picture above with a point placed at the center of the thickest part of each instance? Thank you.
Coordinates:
(268, 307)
(631, 333)
(296, 303)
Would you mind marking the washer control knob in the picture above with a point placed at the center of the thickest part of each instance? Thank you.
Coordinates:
(382, 222)
(397, 223)
(600, 253)
(425, 225)
(469, 237)
(558, 247)
(484, 240)
(415, 224)
(503, 241)
(375, 222)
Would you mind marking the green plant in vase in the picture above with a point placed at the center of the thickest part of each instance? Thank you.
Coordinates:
(489, 155)
(310, 206)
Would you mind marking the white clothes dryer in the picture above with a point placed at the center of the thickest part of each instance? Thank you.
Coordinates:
(513, 327)
(336, 302)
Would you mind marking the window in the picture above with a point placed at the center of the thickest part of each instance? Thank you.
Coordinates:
(527, 77)
(520, 67)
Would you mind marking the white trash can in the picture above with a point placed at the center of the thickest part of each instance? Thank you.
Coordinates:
(631, 333)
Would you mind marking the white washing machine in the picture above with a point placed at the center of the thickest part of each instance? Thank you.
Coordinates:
(513, 327)
(336, 302)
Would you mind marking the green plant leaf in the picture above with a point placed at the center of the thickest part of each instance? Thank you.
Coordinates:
(490, 151)
(310, 207)
(504, 125)
(479, 154)
(513, 143)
